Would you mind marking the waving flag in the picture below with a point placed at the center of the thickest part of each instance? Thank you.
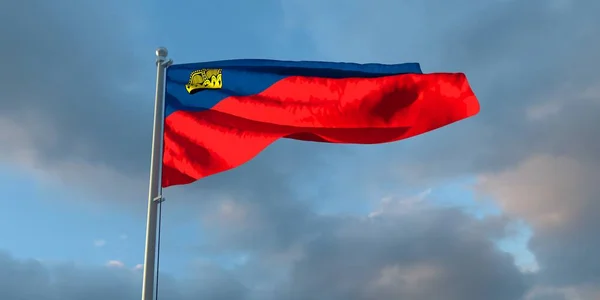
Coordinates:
(219, 115)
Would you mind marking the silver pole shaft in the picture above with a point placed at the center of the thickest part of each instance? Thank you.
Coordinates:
(155, 185)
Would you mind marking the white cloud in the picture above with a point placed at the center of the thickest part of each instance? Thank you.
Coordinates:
(99, 243)
(394, 205)
(115, 264)
(544, 110)
(557, 100)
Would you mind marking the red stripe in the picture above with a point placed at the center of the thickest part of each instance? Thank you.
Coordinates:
(389, 101)
(360, 111)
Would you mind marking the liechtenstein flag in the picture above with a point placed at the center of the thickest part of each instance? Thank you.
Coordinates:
(219, 115)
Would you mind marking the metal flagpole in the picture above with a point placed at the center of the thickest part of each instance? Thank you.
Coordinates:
(155, 185)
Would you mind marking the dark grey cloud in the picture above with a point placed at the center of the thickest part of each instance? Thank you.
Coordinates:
(31, 279)
(71, 85)
(405, 250)
(426, 255)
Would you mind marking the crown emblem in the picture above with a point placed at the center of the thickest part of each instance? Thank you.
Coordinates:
(204, 79)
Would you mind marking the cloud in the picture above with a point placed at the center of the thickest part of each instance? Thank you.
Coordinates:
(29, 279)
(550, 192)
(115, 264)
(533, 64)
(558, 197)
(422, 253)
(99, 243)
(74, 123)
(424, 248)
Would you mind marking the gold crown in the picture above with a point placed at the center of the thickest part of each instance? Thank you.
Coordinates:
(204, 79)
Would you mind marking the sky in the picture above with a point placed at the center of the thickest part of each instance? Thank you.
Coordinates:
(502, 206)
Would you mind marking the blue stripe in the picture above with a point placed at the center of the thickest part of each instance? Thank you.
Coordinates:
(245, 77)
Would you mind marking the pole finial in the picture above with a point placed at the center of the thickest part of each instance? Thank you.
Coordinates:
(161, 53)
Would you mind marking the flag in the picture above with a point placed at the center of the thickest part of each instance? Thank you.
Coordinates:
(219, 115)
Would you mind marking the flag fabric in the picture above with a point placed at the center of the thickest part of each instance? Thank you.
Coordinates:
(219, 115)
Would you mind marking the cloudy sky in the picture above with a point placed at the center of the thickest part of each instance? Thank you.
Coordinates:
(503, 206)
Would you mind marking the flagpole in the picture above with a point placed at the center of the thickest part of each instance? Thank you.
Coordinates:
(155, 185)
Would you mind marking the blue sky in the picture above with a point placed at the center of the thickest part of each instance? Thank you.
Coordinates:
(429, 217)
